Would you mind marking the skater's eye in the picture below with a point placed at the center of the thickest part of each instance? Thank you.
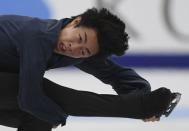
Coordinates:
(80, 39)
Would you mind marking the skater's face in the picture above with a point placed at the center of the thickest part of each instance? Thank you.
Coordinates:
(77, 42)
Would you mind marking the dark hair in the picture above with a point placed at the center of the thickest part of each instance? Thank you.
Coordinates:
(111, 35)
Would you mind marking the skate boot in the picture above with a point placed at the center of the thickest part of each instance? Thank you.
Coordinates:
(159, 102)
(174, 101)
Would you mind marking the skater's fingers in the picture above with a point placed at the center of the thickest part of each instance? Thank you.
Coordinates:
(158, 119)
(151, 119)
(155, 119)
(144, 120)
(147, 120)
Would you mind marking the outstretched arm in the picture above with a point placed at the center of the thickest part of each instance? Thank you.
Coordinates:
(123, 80)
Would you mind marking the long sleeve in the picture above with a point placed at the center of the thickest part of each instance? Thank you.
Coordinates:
(33, 58)
(123, 80)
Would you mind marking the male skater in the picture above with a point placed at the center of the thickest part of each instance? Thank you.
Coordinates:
(30, 46)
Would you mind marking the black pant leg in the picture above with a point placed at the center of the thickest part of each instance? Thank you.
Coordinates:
(31, 123)
(137, 104)
(10, 114)
(84, 103)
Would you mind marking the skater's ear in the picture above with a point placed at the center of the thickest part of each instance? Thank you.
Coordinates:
(75, 22)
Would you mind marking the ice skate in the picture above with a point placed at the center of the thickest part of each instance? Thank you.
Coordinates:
(175, 100)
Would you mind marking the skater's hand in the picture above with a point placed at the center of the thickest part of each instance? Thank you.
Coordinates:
(152, 119)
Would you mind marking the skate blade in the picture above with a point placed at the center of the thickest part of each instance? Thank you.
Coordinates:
(173, 104)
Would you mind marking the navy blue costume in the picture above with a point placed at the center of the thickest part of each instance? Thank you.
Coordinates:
(26, 47)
